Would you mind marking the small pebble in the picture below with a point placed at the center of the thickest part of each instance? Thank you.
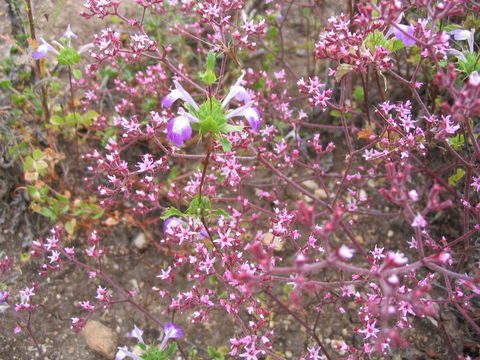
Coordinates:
(100, 339)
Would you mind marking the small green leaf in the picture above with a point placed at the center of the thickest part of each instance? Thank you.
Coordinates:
(33, 193)
(37, 154)
(5, 84)
(171, 212)
(457, 141)
(172, 349)
(226, 144)
(208, 77)
(48, 213)
(57, 120)
(68, 57)
(455, 178)
(77, 74)
(227, 128)
(211, 62)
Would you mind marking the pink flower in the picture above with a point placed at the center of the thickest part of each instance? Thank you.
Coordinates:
(419, 221)
(476, 183)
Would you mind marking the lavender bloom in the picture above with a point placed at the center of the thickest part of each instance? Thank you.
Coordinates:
(179, 130)
(69, 34)
(123, 352)
(247, 110)
(178, 93)
(171, 331)
(404, 35)
(237, 91)
(137, 333)
(250, 113)
(462, 34)
(43, 50)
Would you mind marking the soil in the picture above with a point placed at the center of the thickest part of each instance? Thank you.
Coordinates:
(59, 294)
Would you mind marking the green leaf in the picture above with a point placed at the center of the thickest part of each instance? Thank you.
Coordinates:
(48, 213)
(227, 128)
(5, 84)
(171, 212)
(172, 349)
(226, 144)
(28, 164)
(457, 141)
(37, 154)
(208, 77)
(211, 62)
(33, 193)
(77, 74)
(358, 94)
(199, 205)
(455, 178)
(57, 120)
(68, 57)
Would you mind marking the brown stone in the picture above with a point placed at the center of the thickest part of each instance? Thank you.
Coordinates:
(100, 339)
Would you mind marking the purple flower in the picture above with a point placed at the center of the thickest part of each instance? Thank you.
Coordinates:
(172, 222)
(247, 110)
(462, 34)
(69, 33)
(43, 50)
(179, 130)
(137, 333)
(171, 331)
(178, 93)
(404, 33)
(237, 91)
(250, 113)
(123, 352)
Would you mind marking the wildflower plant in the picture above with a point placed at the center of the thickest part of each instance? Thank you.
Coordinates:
(345, 187)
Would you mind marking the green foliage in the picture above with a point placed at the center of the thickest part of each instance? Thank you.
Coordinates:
(470, 64)
(199, 206)
(212, 118)
(154, 353)
(455, 178)
(457, 141)
(68, 56)
(216, 354)
(209, 77)
(377, 38)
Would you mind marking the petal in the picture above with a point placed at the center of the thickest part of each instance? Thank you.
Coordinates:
(69, 33)
(185, 95)
(243, 95)
(253, 117)
(124, 352)
(172, 331)
(137, 333)
(39, 53)
(169, 99)
(171, 222)
(234, 90)
(460, 34)
(404, 36)
(179, 130)
(239, 111)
